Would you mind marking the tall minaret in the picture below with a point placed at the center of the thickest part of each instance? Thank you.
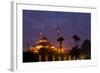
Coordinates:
(58, 36)
(60, 40)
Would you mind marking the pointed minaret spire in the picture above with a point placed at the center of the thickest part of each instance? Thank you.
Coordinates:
(41, 32)
(58, 31)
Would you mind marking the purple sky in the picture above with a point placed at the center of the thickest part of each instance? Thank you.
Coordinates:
(70, 23)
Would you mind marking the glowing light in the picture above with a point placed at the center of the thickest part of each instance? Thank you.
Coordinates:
(47, 46)
(69, 57)
(39, 57)
(31, 49)
(82, 57)
(46, 58)
(62, 50)
(52, 47)
(42, 41)
(53, 58)
(38, 47)
(65, 58)
(36, 51)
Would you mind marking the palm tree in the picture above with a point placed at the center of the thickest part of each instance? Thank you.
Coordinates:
(76, 39)
(75, 52)
(60, 40)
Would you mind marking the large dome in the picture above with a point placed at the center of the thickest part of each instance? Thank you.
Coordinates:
(43, 42)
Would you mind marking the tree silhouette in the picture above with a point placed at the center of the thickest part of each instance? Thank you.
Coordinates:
(75, 52)
(86, 48)
(76, 39)
(60, 40)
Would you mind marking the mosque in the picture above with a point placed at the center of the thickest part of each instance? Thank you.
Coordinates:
(44, 42)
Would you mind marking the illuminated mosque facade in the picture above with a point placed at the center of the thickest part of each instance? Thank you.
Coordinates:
(43, 42)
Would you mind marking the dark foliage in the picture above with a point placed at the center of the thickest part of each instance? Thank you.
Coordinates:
(75, 52)
(86, 49)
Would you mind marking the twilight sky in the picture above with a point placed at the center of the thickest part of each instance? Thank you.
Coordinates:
(70, 23)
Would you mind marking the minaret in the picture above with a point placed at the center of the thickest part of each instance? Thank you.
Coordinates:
(59, 39)
(58, 35)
